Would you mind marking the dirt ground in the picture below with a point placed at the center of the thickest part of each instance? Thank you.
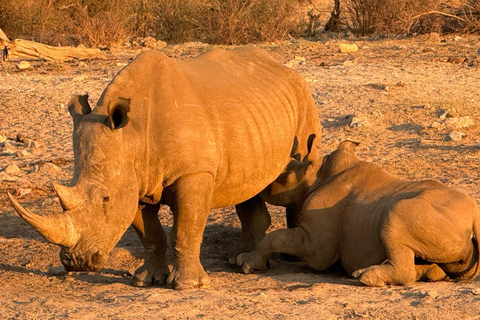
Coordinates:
(403, 99)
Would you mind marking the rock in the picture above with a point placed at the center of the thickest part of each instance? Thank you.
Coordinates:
(22, 153)
(13, 170)
(82, 64)
(29, 143)
(7, 152)
(347, 47)
(23, 65)
(431, 293)
(2, 138)
(50, 168)
(457, 60)
(455, 136)
(56, 271)
(460, 122)
(476, 291)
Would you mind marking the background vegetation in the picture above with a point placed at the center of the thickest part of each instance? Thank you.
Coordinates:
(114, 22)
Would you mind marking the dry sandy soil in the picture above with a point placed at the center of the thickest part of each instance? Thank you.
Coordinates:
(405, 95)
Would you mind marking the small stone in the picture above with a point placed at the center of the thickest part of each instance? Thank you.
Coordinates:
(82, 64)
(431, 293)
(22, 153)
(436, 125)
(5, 177)
(455, 136)
(2, 138)
(7, 152)
(121, 64)
(347, 47)
(56, 271)
(476, 291)
(349, 63)
(13, 170)
(23, 65)
(358, 121)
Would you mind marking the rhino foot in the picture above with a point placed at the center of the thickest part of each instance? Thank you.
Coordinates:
(369, 277)
(181, 279)
(252, 262)
(145, 277)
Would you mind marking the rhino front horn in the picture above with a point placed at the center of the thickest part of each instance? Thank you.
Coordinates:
(58, 229)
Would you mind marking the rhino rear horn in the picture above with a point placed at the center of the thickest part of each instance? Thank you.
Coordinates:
(57, 229)
(69, 200)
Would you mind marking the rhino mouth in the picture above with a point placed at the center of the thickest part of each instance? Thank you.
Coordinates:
(90, 260)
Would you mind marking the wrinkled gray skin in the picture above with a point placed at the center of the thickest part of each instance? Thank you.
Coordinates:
(384, 230)
(205, 133)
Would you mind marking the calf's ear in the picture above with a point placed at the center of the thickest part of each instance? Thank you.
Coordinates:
(348, 144)
(118, 113)
(79, 106)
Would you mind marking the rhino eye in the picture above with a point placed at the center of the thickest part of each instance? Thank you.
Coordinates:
(106, 199)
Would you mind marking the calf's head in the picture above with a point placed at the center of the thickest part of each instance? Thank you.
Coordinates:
(295, 180)
(101, 201)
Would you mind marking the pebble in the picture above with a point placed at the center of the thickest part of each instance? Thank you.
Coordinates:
(476, 291)
(23, 192)
(5, 177)
(23, 65)
(358, 121)
(431, 293)
(29, 143)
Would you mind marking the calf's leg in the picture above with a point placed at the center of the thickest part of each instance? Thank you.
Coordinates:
(154, 270)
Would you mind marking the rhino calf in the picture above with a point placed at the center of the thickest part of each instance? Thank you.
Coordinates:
(376, 224)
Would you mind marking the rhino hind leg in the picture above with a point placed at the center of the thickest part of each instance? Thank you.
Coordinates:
(255, 220)
(191, 201)
(294, 241)
(399, 269)
(154, 271)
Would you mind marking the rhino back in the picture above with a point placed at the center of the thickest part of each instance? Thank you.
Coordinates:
(234, 114)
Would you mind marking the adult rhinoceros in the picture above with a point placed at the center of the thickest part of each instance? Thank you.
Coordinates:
(209, 132)
(376, 224)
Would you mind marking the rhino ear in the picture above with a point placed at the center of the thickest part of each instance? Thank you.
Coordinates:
(79, 106)
(118, 114)
(310, 144)
(348, 144)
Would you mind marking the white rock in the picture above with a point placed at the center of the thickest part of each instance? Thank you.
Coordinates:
(358, 121)
(347, 47)
(460, 122)
(23, 192)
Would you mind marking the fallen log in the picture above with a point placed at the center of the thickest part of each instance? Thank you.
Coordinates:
(31, 50)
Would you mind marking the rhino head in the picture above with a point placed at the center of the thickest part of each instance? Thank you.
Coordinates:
(101, 200)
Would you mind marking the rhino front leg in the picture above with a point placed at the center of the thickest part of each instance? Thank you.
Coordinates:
(154, 270)
(190, 204)
(255, 220)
